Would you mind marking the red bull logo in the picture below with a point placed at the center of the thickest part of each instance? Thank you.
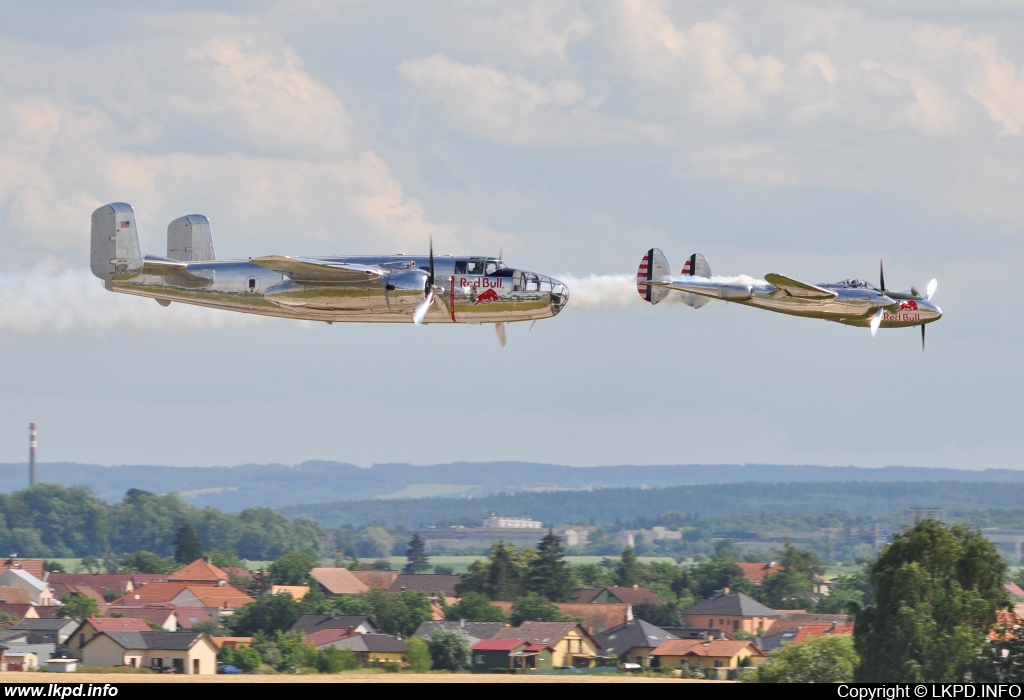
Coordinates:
(487, 297)
(908, 305)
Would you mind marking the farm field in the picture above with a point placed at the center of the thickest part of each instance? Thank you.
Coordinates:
(354, 677)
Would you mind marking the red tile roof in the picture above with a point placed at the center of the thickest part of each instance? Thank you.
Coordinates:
(32, 566)
(810, 631)
(756, 573)
(675, 647)
(199, 571)
(377, 579)
(1014, 590)
(189, 617)
(220, 596)
(151, 592)
(499, 644)
(597, 617)
(339, 581)
(14, 595)
(722, 647)
(635, 595)
(328, 635)
(118, 624)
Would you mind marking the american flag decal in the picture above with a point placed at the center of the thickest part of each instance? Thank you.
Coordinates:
(124, 224)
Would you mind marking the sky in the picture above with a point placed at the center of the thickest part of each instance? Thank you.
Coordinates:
(808, 139)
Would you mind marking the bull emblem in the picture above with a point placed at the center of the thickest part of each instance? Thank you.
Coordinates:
(487, 297)
(908, 305)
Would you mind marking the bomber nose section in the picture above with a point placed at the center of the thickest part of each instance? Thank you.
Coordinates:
(559, 296)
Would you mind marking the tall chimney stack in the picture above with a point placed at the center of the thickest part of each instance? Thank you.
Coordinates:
(31, 454)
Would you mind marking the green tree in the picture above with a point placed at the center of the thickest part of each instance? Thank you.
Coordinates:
(78, 607)
(223, 557)
(91, 563)
(268, 614)
(549, 574)
(475, 607)
(143, 562)
(292, 569)
(244, 657)
(54, 566)
(535, 607)
(374, 542)
(830, 658)
(187, 547)
(591, 576)
(450, 650)
(937, 590)
(416, 556)
(848, 593)
(417, 655)
(625, 570)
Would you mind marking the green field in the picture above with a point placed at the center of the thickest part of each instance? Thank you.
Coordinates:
(428, 491)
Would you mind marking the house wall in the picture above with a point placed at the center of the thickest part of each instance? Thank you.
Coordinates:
(730, 623)
(572, 647)
(103, 651)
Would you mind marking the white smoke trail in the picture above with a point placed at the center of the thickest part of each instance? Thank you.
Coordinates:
(71, 301)
(601, 292)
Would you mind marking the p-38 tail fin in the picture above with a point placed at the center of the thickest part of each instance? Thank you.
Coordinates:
(654, 266)
(696, 266)
(115, 251)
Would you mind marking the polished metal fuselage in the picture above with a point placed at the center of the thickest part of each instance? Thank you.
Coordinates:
(473, 289)
(852, 306)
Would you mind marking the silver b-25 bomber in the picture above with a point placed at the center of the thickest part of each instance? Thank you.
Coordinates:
(852, 302)
(366, 288)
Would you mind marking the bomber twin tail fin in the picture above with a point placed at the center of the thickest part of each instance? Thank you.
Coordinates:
(189, 239)
(654, 267)
(115, 252)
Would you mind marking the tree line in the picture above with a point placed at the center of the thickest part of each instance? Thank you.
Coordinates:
(47, 520)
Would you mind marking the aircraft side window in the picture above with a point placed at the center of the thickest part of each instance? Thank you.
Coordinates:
(534, 283)
(460, 267)
(252, 284)
(473, 267)
(518, 281)
(490, 268)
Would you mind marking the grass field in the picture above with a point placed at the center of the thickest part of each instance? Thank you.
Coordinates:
(349, 677)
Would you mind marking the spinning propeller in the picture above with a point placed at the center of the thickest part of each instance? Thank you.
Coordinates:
(433, 292)
(876, 320)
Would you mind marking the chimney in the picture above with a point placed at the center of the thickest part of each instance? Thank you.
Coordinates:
(462, 623)
(208, 560)
(31, 454)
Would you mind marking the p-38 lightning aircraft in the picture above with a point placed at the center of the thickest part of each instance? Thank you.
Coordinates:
(852, 302)
(367, 288)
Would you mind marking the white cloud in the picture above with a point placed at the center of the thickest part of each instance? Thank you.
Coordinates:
(1000, 87)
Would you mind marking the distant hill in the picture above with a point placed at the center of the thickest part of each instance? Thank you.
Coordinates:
(1000, 506)
(232, 489)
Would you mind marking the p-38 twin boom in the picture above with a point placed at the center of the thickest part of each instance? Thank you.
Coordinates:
(853, 302)
(367, 288)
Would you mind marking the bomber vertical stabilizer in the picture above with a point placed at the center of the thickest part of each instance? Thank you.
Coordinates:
(190, 239)
(654, 266)
(696, 266)
(115, 252)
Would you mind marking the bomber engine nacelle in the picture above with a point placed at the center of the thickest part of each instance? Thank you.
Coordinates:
(115, 252)
(406, 288)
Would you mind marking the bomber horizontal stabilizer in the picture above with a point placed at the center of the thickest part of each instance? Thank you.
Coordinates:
(309, 270)
(167, 268)
(801, 290)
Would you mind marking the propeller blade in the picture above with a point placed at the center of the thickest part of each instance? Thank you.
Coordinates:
(430, 279)
(500, 328)
(922, 337)
(881, 276)
(929, 292)
(876, 321)
(422, 308)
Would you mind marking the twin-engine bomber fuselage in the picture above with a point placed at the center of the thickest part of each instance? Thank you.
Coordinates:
(367, 288)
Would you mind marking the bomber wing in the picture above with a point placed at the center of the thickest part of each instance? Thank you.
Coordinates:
(309, 270)
(801, 290)
(171, 269)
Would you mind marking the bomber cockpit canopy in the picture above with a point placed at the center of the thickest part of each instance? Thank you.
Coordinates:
(481, 266)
